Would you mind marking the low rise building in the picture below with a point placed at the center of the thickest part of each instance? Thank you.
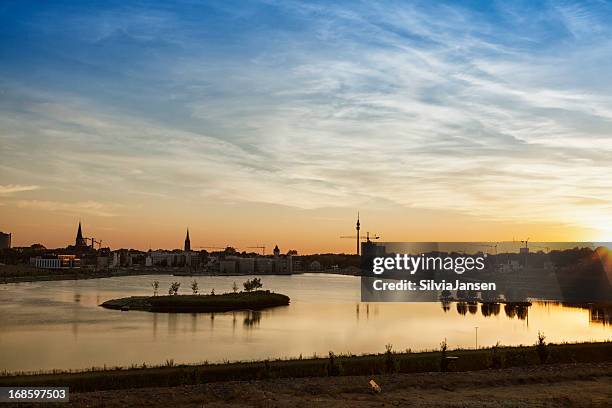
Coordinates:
(165, 258)
(227, 267)
(264, 265)
(246, 266)
(5, 240)
(55, 261)
(46, 263)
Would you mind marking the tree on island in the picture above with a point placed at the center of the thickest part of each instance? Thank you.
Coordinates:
(194, 287)
(443, 356)
(174, 288)
(252, 284)
(155, 286)
(235, 288)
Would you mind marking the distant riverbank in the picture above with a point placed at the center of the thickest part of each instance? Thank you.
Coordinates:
(26, 273)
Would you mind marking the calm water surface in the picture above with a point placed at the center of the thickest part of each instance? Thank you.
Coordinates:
(47, 325)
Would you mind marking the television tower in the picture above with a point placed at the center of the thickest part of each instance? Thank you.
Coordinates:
(358, 227)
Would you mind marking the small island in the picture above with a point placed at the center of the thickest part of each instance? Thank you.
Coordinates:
(226, 302)
(250, 299)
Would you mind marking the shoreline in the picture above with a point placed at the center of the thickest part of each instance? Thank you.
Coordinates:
(75, 276)
(84, 275)
(169, 375)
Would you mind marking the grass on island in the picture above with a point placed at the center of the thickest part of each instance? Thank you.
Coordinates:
(255, 300)
(389, 362)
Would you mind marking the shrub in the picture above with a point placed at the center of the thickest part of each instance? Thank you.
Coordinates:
(443, 356)
(391, 363)
(516, 358)
(541, 348)
(252, 284)
(155, 286)
(496, 358)
(334, 367)
(174, 288)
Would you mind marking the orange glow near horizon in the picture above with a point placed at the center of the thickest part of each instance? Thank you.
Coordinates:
(307, 231)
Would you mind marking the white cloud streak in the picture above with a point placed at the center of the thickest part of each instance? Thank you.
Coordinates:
(72, 208)
(14, 188)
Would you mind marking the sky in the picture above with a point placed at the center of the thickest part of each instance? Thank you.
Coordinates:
(275, 122)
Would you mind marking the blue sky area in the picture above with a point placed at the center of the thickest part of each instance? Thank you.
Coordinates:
(497, 109)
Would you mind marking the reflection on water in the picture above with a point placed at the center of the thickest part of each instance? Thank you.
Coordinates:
(601, 314)
(47, 325)
(252, 318)
(512, 310)
(598, 313)
(490, 309)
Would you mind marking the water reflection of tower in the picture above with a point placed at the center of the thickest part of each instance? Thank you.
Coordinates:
(358, 227)
(369, 251)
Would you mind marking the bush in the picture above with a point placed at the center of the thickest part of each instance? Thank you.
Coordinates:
(517, 357)
(155, 286)
(252, 284)
(334, 367)
(174, 288)
(391, 363)
(443, 356)
(541, 348)
(496, 358)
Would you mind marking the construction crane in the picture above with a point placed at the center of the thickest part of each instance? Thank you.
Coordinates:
(262, 247)
(487, 246)
(93, 242)
(366, 238)
(210, 247)
(525, 242)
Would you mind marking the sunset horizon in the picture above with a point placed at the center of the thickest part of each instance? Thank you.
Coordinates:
(311, 203)
(280, 132)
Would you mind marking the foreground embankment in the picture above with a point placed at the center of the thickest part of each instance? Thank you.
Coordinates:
(550, 385)
(332, 366)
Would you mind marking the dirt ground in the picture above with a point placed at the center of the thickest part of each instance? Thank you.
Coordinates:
(568, 385)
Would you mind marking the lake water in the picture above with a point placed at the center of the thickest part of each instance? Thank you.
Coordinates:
(59, 325)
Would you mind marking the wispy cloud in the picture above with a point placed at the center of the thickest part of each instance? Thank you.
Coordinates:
(15, 188)
(87, 207)
(501, 113)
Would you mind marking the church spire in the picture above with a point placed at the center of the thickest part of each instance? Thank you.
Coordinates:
(187, 242)
(79, 241)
